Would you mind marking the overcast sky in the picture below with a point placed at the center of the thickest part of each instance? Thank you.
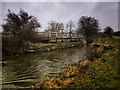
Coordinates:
(105, 12)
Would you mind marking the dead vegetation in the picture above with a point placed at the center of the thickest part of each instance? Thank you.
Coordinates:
(65, 78)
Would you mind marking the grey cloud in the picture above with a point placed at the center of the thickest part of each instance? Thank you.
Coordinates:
(107, 14)
(65, 11)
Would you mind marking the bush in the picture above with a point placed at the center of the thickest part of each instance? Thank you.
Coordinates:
(117, 33)
(95, 53)
(109, 31)
(12, 45)
(39, 39)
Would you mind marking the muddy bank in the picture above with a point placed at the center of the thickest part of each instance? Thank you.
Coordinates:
(51, 46)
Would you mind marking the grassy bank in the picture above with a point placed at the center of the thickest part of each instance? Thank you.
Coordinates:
(102, 72)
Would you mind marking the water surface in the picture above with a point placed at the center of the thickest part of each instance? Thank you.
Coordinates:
(25, 70)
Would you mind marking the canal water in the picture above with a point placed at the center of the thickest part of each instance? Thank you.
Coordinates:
(25, 70)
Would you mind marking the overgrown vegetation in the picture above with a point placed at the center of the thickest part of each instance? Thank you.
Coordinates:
(95, 52)
(103, 72)
(11, 45)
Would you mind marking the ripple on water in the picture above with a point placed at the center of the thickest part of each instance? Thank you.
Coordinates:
(23, 71)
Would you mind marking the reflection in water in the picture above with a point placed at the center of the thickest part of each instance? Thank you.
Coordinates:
(24, 70)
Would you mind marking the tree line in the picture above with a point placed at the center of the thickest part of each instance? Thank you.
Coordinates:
(23, 27)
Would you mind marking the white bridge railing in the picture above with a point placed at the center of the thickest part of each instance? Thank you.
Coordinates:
(62, 35)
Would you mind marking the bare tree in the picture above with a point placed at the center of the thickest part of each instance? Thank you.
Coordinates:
(70, 25)
(55, 27)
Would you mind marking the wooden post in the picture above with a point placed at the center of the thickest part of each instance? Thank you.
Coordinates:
(56, 36)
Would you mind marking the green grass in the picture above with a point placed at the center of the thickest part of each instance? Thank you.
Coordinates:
(103, 73)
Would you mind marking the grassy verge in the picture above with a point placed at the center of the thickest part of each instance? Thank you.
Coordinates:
(103, 72)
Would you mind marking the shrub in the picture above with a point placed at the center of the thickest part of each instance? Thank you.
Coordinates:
(12, 45)
(95, 53)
